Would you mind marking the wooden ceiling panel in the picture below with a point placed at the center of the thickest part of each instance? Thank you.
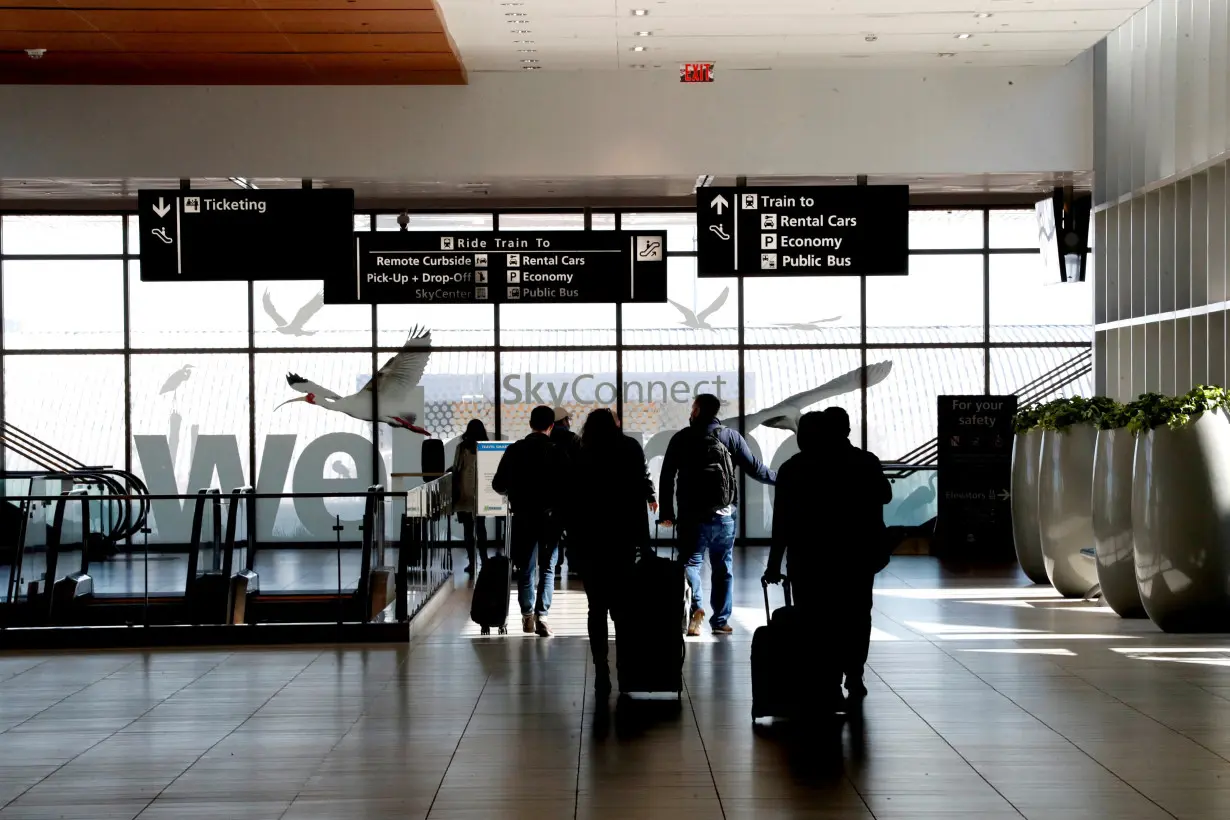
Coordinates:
(324, 21)
(57, 41)
(227, 42)
(42, 19)
(369, 43)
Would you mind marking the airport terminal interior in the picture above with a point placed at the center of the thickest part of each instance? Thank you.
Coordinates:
(264, 263)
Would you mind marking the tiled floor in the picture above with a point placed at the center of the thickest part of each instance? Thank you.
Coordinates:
(989, 699)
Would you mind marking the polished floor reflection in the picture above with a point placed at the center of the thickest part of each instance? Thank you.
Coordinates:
(989, 699)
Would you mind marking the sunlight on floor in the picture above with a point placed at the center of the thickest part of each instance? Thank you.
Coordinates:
(973, 593)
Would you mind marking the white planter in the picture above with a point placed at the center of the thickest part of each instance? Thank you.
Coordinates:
(1112, 521)
(1065, 514)
(1026, 450)
(1181, 524)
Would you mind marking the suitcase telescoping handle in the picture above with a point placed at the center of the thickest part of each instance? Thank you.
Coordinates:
(674, 528)
(768, 613)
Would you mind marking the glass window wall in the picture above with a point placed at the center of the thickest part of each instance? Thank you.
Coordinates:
(182, 383)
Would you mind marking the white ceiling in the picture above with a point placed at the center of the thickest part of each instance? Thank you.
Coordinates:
(569, 35)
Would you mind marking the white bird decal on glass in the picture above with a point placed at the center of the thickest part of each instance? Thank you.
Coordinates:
(295, 326)
(696, 321)
(785, 415)
(391, 388)
(812, 325)
(176, 379)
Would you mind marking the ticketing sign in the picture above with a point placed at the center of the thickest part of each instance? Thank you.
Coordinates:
(504, 267)
(847, 230)
(245, 234)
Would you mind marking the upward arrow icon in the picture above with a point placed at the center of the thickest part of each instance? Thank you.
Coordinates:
(719, 202)
(162, 207)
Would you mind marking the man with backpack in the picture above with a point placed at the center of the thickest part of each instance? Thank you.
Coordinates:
(703, 458)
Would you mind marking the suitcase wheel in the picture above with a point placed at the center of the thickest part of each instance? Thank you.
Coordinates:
(486, 630)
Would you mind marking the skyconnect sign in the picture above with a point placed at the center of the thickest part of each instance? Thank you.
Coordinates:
(601, 388)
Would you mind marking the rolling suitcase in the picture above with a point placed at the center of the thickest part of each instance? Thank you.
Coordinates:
(648, 642)
(433, 458)
(489, 605)
(776, 685)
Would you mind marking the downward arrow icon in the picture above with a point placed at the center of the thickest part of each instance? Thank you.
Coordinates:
(162, 207)
(719, 202)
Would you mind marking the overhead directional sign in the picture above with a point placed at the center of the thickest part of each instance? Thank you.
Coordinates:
(797, 231)
(513, 267)
(239, 235)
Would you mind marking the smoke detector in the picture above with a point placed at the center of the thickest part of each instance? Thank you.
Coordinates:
(36, 53)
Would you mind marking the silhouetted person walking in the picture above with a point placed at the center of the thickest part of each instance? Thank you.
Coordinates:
(569, 443)
(533, 473)
(828, 520)
(465, 492)
(703, 457)
(607, 525)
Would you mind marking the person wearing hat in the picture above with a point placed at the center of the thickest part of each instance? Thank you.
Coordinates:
(569, 443)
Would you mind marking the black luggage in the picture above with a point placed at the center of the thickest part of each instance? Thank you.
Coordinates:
(489, 605)
(432, 458)
(777, 671)
(648, 642)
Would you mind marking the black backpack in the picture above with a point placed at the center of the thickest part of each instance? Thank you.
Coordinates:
(707, 479)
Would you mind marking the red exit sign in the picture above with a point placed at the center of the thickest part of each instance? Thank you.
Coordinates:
(696, 73)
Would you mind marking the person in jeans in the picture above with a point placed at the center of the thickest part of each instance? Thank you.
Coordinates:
(465, 490)
(828, 522)
(702, 458)
(606, 517)
(533, 473)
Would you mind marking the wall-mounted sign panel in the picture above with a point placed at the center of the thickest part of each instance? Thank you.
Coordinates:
(488, 501)
(240, 235)
(512, 267)
(803, 231)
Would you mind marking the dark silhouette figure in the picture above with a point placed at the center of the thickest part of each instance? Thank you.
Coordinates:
(465, 492)
(828, 520)
(533, 473)
(606, 521)
(569, 442)
(706, 524)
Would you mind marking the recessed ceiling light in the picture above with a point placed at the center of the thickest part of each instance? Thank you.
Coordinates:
(523, 42)
(529, 61)
(982, 15)
(638, 48)
(640, 12)
(514, 14)
(963, 36)
(527, 51)
(644, 33)
(947, 54)
(530, 67)
(512, 4)
(521, 31)
(637, 65)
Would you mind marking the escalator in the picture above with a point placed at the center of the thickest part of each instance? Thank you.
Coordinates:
(374, 590)
(121, 519)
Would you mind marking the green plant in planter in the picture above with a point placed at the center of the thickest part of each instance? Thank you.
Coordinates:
(1060, 414)
(1027, 418)
(1153, 410)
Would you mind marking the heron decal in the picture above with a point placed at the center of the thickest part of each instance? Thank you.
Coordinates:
(392, 387)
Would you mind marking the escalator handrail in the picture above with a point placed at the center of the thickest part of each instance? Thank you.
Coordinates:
(228, 544)
(198, 524)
